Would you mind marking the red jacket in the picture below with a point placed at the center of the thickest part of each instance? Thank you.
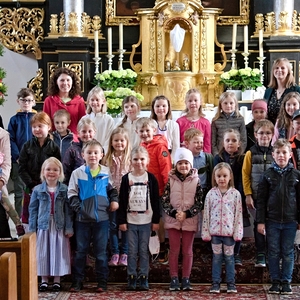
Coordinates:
(76, 108)
(160, 160)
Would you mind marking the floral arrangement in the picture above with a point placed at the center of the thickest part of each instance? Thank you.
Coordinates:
(3, 87)
(242, 79)
(117, 85)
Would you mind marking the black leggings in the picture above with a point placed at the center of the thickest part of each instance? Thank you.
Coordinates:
(4, 227)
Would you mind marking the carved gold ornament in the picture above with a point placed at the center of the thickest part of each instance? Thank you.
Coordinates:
(36, 84)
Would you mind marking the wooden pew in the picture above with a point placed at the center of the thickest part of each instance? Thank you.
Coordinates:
(8, 276)
(25, 249)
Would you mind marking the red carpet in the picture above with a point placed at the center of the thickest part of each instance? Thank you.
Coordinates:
(161, 292)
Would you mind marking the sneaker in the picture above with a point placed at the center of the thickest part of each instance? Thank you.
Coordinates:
(76, 286)
(123, 260)
(231, 288)
(163, 257)
(174, 284)
(215, 288)
(131, 285)
(102, 286)
(286, 288)
(144, 286)
(237, 260)
(20, 230)
(185, 284)
(114, 260)
(275, 288)
(260, 261)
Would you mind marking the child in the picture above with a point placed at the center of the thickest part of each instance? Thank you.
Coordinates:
(20, 132)
(194, 118)
(92, 197)
(232, 153)
(181, 218)
(96, 111)
(257, 160)
(203, 162)
(223, 225)
(138, 214)
(131, 107)
(161, 112)
(5, 168)
(259, 112)
(117, 160)
(295, 140)
(160, 165)
(62, 136)
(227, 116)
(277, 215)
(283, 126)
(33, 154)
(73, 158)
(51, 217)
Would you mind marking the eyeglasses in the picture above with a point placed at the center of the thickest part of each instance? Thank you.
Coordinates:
(26, 100)
(264, 133)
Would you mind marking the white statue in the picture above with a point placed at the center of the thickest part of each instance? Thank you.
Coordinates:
(177, 37)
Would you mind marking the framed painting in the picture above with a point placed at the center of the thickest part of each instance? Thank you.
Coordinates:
(122, 11)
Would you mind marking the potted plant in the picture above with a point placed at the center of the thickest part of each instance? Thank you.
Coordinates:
(117, 85)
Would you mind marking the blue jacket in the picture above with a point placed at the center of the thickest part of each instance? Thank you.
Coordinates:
(63, 142)
(40, 208)
(20, 132)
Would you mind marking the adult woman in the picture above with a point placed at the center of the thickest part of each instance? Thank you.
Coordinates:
(282, 82)
(64, 93)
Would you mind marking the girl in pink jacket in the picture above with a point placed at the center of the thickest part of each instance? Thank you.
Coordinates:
(223, 224)
(182, 202)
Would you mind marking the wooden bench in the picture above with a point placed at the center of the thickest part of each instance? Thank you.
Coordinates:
(25, 250)
(8, 276)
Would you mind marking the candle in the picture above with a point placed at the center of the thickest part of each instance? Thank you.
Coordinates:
(234, 30)
(260, 43)
(246, 39)
(109, 40)
(121, 36)
(96, 43)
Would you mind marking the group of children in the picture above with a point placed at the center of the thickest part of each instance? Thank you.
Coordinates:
(136, 189)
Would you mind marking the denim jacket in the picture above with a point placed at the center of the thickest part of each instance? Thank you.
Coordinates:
(40, 209)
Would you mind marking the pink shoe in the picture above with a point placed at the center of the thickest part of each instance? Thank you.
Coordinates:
(123, 260)
(114, 260)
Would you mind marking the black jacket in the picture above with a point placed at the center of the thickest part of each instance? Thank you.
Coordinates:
(278, 197)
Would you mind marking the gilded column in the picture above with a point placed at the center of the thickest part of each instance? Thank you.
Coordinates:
(71, 6)
(284, 5)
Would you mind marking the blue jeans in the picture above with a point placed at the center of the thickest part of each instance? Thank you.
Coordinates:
(138, 241)
(113, 236)
(84, 232)
(280, 239)
(218, 258)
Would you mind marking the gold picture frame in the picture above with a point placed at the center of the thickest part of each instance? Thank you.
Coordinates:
(115, 15)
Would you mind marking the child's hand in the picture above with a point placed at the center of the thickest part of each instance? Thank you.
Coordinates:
(113, 206)
(261, 229)
(123, 227)
(154, 227)
(250, 202)
(181, 216)
(68, 235)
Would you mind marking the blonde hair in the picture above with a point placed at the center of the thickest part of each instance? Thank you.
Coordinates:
(108, 159)
(282, 143)
(264, 123)
(55, 161)
(284, 119)
(62, 113)
(290, 79)
(85, 122)
(218, 167)
(144, 121)
(153, 114)
(98, 92)
(92, 142)
(139, 149)
(187, 95)
(223, 97)
(190, 133)
(126, 100)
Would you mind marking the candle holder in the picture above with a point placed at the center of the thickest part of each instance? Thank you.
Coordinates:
(121, 51)
(110, 58)
(246, 54)
(261, 67)
(96, 59)
(233, 60)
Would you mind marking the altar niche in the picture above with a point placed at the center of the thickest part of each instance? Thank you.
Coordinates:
(177, 39)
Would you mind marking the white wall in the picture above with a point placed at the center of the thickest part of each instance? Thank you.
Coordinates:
(20, 69)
